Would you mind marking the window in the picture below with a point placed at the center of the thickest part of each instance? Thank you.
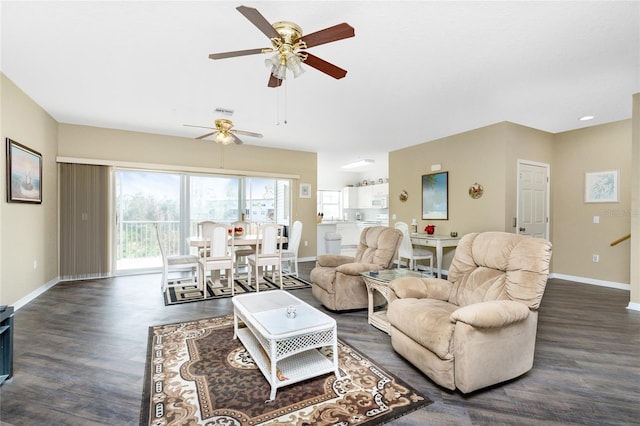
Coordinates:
(329, 204)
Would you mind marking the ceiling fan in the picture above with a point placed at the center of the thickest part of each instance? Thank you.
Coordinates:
(289, 46)
(224, 132)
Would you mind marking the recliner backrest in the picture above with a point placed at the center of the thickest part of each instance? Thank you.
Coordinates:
(378, 245)
(499, 266)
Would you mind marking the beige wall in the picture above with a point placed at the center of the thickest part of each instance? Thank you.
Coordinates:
(160, 152)
(576, 238)
(487, 156)
(635, 205)
(29, 231)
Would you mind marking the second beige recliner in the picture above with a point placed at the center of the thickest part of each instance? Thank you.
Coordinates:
(477, 328)
(336, 280)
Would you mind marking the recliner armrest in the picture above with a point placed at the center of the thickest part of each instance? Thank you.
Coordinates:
(494, 313)
(333, 260)
(355, 268)
(421, 288)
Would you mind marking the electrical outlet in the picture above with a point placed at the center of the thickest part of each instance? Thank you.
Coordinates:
(596, 258)
(35, 264)
(306, 243)
(596, 219)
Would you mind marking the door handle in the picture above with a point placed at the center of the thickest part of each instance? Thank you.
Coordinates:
(522, 229)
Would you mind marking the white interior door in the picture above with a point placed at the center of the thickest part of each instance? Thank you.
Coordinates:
(533, 199)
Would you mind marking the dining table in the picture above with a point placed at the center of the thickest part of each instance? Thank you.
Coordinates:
(239, 240)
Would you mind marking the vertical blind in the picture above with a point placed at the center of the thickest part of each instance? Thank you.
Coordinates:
(85, 243)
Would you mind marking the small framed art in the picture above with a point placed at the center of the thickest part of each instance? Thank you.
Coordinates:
(305, 190)
(24, 174)
(601, 187)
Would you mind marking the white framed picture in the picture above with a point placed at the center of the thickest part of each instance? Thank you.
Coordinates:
(305, 190)
(601, 187)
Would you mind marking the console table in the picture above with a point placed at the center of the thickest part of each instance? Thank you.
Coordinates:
(437, 241)
(6, 344)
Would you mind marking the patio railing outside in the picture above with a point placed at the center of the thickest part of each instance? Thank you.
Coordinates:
(137, 245)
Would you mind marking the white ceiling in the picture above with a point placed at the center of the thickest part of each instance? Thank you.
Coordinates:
(417, 70)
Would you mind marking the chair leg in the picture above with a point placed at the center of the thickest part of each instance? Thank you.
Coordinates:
(295, 265)
(232, 282)
(258, 278)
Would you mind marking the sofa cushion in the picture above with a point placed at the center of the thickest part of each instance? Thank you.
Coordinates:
(324, 277)
(499, 266)
(378, 245)
(426, 321)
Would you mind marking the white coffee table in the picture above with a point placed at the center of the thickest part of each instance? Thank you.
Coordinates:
(285, 350)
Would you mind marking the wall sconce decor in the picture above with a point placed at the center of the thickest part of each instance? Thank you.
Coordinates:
(476, 190)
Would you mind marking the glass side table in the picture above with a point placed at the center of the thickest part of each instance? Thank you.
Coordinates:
(379, 281)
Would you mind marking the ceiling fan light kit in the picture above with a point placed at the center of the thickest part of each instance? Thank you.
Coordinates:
(289, 43)
(224, 132)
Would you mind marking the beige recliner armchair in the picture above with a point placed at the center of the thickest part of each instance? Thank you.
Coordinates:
(336, 280)
(477, 328)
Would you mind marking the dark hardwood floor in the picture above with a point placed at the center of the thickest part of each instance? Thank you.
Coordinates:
(80, 352)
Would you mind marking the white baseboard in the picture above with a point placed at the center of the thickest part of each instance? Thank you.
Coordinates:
(592, 281)
(35, 293)
(634, 306)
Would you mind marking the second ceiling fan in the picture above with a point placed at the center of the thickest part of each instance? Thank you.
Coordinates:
(224, 133)
(289, 45)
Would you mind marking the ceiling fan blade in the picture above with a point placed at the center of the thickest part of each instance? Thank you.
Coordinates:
(207, 135)
(236, 140)
(259, 21)
(200, 127)
(337, 32)
(274, 81)
(245, 133)
(324, 66)
(224, 55)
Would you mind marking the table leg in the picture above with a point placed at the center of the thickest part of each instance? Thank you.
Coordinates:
(439, 257)
(370, 308)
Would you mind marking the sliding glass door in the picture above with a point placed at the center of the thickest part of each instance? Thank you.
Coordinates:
(176, 202)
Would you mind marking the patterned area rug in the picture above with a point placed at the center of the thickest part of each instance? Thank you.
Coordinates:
(196, 373)
(186, 294)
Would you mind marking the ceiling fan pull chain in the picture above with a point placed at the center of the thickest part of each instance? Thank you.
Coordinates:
(285, 101)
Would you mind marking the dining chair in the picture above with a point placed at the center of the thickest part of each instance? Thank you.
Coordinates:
(267, 252)
(218, 256)
(204, 228)
(241, 252)
(290, 255)
(412, 254)
(177, 263)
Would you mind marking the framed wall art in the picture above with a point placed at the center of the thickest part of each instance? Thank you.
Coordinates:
(305, 190)
(601, 187)
(435, 196)
(24, 174)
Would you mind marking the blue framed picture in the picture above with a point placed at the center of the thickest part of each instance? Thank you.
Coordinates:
(435, 196)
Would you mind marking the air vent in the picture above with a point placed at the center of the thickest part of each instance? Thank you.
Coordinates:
(224, 111)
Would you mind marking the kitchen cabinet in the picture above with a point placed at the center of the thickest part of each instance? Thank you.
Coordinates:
(350, 233)
(366, 197)
(350, 197)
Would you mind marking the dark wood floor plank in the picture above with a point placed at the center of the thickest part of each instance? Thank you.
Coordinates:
(80, 351)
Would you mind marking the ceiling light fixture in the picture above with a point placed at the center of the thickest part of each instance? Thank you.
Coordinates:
(358, 163)
(225, 138)
(286, 56)
(587, 118)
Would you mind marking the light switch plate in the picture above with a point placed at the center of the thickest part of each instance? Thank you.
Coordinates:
(596, 219)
